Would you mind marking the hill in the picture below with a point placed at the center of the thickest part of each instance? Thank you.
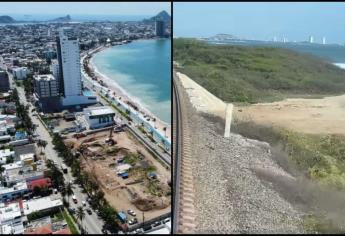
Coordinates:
(7, 19)
(62, 19)
(163, 15)
(256, 74)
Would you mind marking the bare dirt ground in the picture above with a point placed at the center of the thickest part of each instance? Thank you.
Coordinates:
(123, 194)
(321, 116)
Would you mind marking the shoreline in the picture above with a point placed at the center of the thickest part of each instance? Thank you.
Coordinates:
(113, 86)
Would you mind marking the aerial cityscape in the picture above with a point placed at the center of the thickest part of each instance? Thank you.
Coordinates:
(258, 118)
(85, 143)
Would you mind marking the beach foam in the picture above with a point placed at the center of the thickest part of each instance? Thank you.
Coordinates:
(341, 65)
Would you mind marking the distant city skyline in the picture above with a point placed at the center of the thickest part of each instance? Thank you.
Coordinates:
(262, 21)
(86, 8)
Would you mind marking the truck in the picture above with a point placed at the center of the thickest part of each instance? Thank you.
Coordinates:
(64, 168)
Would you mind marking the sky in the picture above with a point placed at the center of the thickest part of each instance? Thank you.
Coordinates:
(262, 21)
(88, 8)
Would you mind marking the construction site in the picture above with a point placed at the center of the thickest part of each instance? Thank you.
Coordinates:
(128, 174)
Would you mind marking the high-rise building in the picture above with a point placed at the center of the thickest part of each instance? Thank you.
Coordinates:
(324, 40)
(69, 70)
(160, 28)
(4, 82)
(311, 39)
(69, 63)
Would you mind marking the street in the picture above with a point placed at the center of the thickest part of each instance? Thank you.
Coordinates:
(91, 223)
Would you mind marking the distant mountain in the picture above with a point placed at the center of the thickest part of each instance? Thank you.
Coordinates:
(163, 15)
(7, 19)
(62, 19)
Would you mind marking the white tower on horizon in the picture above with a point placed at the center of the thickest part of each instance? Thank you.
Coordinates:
(324, 40)
(311, 39)
(275, 39)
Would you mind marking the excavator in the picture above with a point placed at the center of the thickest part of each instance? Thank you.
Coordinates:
(110, 141)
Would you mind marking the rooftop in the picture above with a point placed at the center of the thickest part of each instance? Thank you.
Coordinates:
(9, 212)
(17, 187)
(40, 204)
(97, 111)
(47, 77)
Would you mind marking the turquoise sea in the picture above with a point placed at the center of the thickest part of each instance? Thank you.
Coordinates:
(143, 69)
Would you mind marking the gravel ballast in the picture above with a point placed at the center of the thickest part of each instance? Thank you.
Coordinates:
(230, 195)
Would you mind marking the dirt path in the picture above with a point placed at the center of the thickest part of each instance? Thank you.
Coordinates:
(325, 116)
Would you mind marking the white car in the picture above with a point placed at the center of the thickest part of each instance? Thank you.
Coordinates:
(84, 203)
(131, 212)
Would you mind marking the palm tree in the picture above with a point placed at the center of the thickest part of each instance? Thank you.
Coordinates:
(69, 190)
(44, 143)
(80, 215)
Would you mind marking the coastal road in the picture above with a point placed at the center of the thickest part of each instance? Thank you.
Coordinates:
(92, 223)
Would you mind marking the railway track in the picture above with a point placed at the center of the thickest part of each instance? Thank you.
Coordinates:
(183, 198)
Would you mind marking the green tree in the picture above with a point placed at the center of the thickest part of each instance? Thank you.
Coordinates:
(80, 215)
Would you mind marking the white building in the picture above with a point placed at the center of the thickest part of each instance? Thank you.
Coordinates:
(11, 221)
(98, 117)
(44, 204)
(46, 86)
(4, 154)
(69, 71)
(20, 73)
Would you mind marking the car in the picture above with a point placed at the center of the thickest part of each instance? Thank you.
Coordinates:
(88, 199)
(55, 190)
(166, 220)
(89, 211)
(72, 210)
(74, 199)
(133, 221)
(139, 231)
(84, 203)
(131, 212)
(157, 223)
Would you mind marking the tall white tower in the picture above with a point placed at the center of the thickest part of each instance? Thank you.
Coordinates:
(311, 39)
(69, 63)
(324, 40)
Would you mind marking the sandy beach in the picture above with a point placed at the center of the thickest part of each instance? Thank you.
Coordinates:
(126, 97)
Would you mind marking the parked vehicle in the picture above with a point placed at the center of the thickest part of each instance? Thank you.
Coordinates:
(157, 223)
(133, 221)
(89, 211)
(131, 212)
(84, 203)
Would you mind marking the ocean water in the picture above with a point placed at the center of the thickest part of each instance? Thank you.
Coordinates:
(331, 52)
(143, 69)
